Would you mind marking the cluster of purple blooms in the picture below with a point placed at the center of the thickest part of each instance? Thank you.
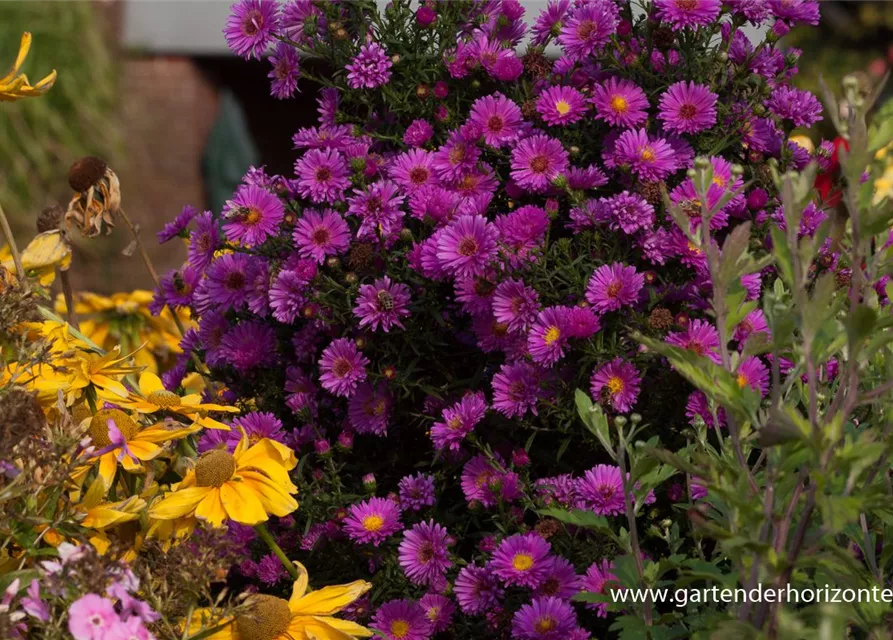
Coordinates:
(446, 224)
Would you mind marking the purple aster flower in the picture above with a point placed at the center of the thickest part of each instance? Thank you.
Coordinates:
(323, 175)
(270, 570)
(561, 580)
(402, 620)
(300, 389)
(203, 241)
(378, 208)
(521, 232)
(320, 234)
(508, 66)
(467, 245)
(805, 11)
(413, 170)
(439, 610)
(249, 345)
(601, 490)
(561, 489)
(257, 425)
(652, 159)
(536, 161)
(687, 13)
(548, 22)
(700, 337)
(498, 118)
(613, 286)
(176, 290)
(369, 409)
(477, 589)
(754, 374)
(628, 212)
(586, 177)
(286, 296)
(479, 480)
(371, 67)
(382, 304)
(424, 554)
(342, 367)
(416, 492)
(548, 336)
(516, 389)
(458, 421)
(211, 329)
(455, 158)
(372, 521)
(253, 215)
(686, 107)
(753, 322)
(229, 277)
(598, 579)
(515, 304)
(797, 105)
(616, 383)
(522, 560)
(297, 15)
(544, 619)
(251, 27)
(561, 105)
(588, 28)
(286, 71)
(582, 322)
(620, 103)
(178, 225)
(418, 133)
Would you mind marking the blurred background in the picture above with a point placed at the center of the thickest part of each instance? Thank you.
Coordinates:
(150, 86)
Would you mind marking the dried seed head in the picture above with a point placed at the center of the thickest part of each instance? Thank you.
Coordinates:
(86, 172)
(99, 426)
(660, 319)
(267, 618)
(214, 468)
(20, 418)
(360, 256)
(651, 192)
(50, 218)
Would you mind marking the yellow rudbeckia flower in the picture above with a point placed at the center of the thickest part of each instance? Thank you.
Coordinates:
(304, 616)
(117, 437)
(14, 85)
(154, 397)
(245, 486)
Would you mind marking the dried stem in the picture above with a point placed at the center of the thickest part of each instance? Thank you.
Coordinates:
(16, 256)
(69, 298)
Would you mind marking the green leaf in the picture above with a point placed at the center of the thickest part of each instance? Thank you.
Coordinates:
(859, 325)
(839, 511)
(733, 249)
(783, 258)
(576, 517)
(595, 420)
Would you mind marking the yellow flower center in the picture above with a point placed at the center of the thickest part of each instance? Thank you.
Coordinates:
(214, 468)
(399, 628)
(545, 624)
(252, 216)
(454, 423)
(719, 181)
(742, 380)
(373, 522)
(562, 107)
(647, 155)
(552, 335)
(164, 398)
(695, 250)
(619, 104)
(266, 618)
(615, 385)
(522, 562)
(99, 426)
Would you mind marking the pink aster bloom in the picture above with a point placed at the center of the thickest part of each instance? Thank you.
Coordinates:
(620, 103)
(617, 383)
(561, 105)
(754, 374)
(582, 322)
(686, 107)
(548, 336)
(369, 409)
(370, 69)
(342, 367)
(418, 133)
(536, 161)
(253, 215)
(467, 245)
(417, 492)
(372, 521)
(522, 560)
(498, 118)
(700, 337)
(382, 304)
(402, 620)
(439, 610)
(545, 618)
(286, 71)
(378, 208)
(455, 158)
(588, 28)
(412, 170)
(628, 212)
(613, 286)
(548, 22)
(601, 490)
(481, 481)
(322, 175)
(754, 322)
(458, 421)
(515, 304)
(598, 579)
(561, 580)
(680, 14)
(652, 159)
(424, 554)
(516, 389)
(319, 234)
(477, 589)
(251, 27)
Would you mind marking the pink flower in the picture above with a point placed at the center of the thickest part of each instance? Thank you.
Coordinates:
(91, 618)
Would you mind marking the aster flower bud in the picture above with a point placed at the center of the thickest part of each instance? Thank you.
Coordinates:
(345, 440)
(351, 278)
(620, 421)
(360, 342)
(369, 483)
(333, 262)
(322, 447)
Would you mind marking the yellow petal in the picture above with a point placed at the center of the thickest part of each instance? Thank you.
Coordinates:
(160, 433)
(330, 600)
(150, 383)
(47, 249)
(242, 504)
(299, 588)
(274, 498)
(270, 457)
(309, 627)
(352, 629)
(211, 509)
(108, 465)
(24, 47)
(144, 450)
(179, 503)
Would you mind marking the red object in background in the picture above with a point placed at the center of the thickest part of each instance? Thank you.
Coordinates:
(825, 181)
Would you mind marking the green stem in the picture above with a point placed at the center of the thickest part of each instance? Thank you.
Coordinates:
(267, 537)
(16, 257)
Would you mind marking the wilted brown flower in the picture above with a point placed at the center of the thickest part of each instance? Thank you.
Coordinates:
(660, 319)
(97, 198)
(50, 218)
(651, 192)
(360, 256)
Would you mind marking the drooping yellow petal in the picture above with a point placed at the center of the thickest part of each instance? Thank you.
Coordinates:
(47, 249)
(179, 503)
(268, 456)
(314, 629)
(211, 509)
(143, 450)
(108, 465)
(24, 48)
(274, 498)
(242, 504)
(299, 588)
(161, 433)
(352, 629)
(329, 600)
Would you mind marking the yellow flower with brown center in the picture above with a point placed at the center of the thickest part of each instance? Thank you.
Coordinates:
(245, 486)
(304, 616)
(15, 85)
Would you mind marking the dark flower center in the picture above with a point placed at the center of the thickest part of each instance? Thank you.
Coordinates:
(687, 5)
(341, 367)
(539, 164)
(320, 236)
(426, 553)
(483, 287)
(688, 111)
(253, 23)
(495, 124)
(467, 247)
(234, 280)
(516, 390)
(418, 175)
(585, 29)
(323, 174)
(614, 289)
(457, 154)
